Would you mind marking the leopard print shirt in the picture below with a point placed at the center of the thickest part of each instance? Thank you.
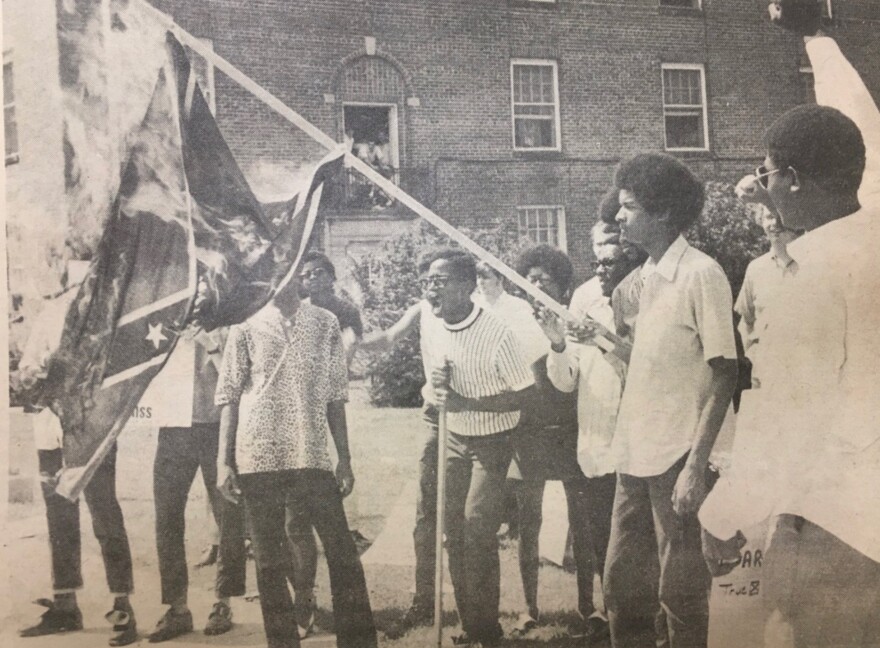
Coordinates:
(282, 374)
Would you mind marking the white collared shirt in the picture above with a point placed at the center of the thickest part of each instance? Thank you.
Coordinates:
(685, 319)
(808, 441)
(599, 387)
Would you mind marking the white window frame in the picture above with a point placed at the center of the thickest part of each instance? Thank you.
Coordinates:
(393, 131)
(15, 156)
(561, 237)
(705, 104)
(556, 114)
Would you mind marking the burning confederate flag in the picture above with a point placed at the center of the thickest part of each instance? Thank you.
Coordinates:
(186, 241)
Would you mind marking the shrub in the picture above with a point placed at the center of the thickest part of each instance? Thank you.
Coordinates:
(727, 232)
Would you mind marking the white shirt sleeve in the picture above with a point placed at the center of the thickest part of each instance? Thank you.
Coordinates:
(713, 314)
(563, 369)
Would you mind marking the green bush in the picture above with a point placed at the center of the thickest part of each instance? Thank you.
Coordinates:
(388, 281)
(727, 232)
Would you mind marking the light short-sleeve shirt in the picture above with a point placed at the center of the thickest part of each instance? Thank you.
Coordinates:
(486, 361)
(685, 319)
(283, 373)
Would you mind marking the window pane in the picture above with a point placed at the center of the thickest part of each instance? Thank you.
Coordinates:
(684, 131)
(540, 224)
(682, 88)
(534, 133)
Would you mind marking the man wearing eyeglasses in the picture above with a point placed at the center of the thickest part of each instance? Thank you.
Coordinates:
(807, 449)
(479, 373)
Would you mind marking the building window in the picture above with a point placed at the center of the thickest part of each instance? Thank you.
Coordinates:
(684, 107)
(535, 102)
(543, 224)
(687, 4)
(10, 126)
(372, 131)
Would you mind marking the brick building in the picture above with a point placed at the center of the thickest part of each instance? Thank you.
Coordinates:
(485, 110)
(515, 109)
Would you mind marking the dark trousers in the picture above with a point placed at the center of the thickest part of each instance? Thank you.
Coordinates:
(476, 469)
(306, 498)
(827, 591)
(180, 453)
(108, 524)
(631, 585)
(424, 534)
(590, 502)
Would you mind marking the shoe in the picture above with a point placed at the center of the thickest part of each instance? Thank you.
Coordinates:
(592, 629)
(208, 557)
(464, 639)
(172, 625)
(220, 620)
(54, 620)
(124, 627)
(524, 623)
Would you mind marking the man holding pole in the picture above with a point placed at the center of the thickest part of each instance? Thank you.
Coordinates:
(480, 378)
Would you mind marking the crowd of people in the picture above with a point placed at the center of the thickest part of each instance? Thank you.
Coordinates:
(627, 424)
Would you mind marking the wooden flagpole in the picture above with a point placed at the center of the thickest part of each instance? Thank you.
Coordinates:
(605, 339)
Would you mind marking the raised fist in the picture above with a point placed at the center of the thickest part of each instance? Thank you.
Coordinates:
(803, 17)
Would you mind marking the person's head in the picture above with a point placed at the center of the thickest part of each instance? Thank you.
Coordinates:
(603, 233)
(776, 232)
(489, 282)
(448, 278)
(317, 274)
(659, 198)
(548, 268)
(815, 161)
(608, 207)
(614, 261)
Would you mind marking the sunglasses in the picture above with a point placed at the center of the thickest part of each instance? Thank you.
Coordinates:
(434, 281)
(761, 175)
(313, 274)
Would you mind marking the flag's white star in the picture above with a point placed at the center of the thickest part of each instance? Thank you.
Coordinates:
(155, 335)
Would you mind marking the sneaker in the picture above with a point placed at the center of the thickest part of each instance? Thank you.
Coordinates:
(220, 619)
(54, 620)
(172, 625)
(208, 557)
(124, 627)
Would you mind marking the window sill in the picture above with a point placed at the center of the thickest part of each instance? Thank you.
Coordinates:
(690, 153)
(12, 159)
(538, 154)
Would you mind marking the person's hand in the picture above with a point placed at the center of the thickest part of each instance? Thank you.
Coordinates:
(344, 478)
(553, 327)
(583, 332)
(803, 17)
(690, 490)
(752, 192)
(722, 556)
(227, 482)
(440, 378)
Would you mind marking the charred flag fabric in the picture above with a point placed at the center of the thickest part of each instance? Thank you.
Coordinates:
(187, 244)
